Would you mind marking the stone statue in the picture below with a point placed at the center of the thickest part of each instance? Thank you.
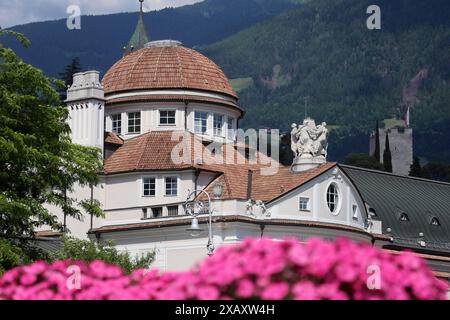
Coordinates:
(309, 144)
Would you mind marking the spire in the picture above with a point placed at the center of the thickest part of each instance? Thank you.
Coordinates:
(139, 37)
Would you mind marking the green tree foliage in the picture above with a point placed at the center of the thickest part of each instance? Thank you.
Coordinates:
(89, 251)
(437, 171)
(38, 161)
(73, 67)
(10, 255)
(286, 154)
(416, 168)
(14, 253)
(100, 41)
(67, 76)
(387, 155)
(352, 75)
(363, 160)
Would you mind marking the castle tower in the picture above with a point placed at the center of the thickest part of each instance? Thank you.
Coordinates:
(401, 145)
(86, 100)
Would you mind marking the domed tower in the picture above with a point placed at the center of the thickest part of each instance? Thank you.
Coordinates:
(165, 86)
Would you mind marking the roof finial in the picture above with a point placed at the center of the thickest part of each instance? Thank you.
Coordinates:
(142, 2)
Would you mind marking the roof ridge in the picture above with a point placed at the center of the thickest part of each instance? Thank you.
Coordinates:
(394, 175)
(157, 63)
(135, 63)
(180, 67)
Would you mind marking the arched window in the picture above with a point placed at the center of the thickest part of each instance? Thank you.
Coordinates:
(333, 198)
(404, 217)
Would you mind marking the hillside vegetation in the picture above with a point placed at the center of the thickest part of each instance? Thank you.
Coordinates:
(100, 41)
(352, 75)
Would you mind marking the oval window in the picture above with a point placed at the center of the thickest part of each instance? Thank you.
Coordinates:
(333, 198)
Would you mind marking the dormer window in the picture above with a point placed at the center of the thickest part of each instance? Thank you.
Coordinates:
(167, 118)
(435, 222)
(404, 217)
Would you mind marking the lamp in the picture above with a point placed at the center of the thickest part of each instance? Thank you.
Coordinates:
(195, 229)
(194, 208)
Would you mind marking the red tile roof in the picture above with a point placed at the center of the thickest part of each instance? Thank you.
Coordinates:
(270, 187)
(154, 151)
(166, 67)
(112, 138)
(151, 151)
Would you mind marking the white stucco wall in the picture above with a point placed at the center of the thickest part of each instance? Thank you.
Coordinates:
(287, 207)
(79, 228)
(177, 250)
(150, 117)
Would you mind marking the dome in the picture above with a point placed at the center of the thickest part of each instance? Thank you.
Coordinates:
(166, 65)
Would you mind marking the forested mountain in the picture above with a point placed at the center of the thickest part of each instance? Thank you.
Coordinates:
(279, 52)
(100, 41)
(352, 76)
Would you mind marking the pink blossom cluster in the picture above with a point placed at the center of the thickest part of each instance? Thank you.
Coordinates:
(254, 269)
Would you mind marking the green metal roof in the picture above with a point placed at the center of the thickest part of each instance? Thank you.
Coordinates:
(418, 201)
(139, 37)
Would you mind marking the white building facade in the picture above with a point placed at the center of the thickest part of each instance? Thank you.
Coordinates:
(164, 102)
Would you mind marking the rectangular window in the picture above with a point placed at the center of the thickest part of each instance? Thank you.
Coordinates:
(117, 123)
(304, 204)
(218, 125)
(172, 211)
(230, 130)
(171, 186)
(167, 118)
(200, 122)
(157, 212)
(134, 122)
(149, 187)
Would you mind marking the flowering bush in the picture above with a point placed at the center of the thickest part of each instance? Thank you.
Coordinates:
(254, 269)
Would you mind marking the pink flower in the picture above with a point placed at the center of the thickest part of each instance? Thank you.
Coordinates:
(245, 288)
(305, 290)
(275, 291)
(208, 293)
(256, 269)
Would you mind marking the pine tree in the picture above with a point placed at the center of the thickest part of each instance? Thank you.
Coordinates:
(387, 156)
(416, 168)
(376, 153)
(67, 75)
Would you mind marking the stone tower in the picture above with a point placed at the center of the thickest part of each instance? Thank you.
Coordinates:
(401, 145)
(86, 101)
